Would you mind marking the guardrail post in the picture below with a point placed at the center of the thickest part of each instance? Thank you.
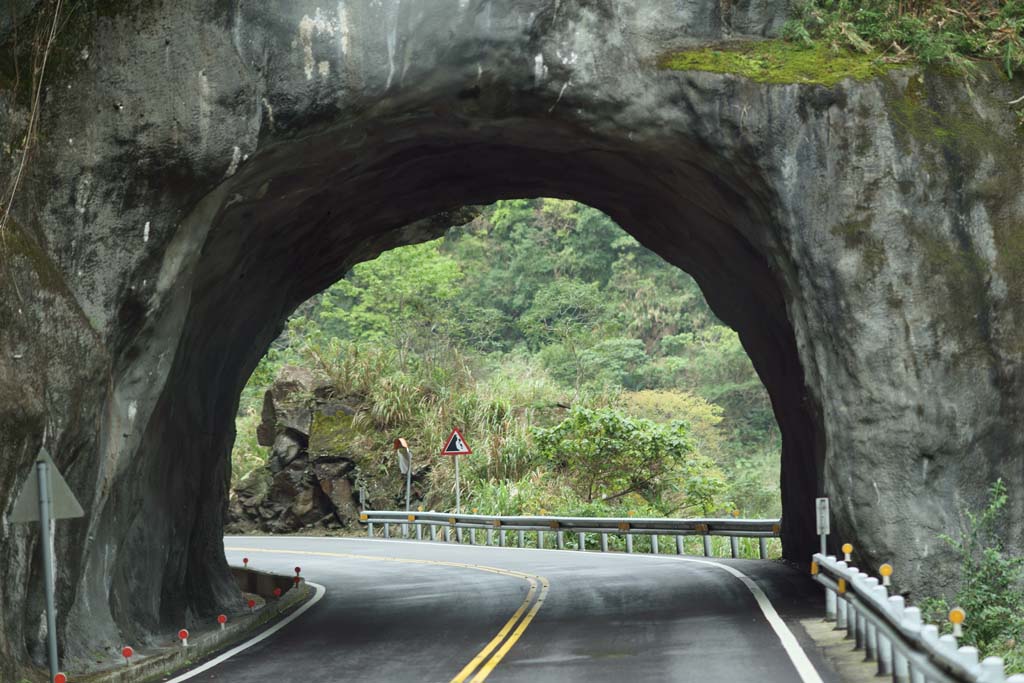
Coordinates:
(831, 598)
(560, 535)
(490, 537)
(387, 530)
(540, 540)
(501, 537)
(870, 630)
(581, 537)
(521, 537)
(604, 542)
(419, 531)
(472, 536)
(763, 547)
(433, 532)
(369, 529)
(947, 643)
(968, 656)
(680, 550)
(629, 542)
(405, 530)
(851, 621)
(882, 645)
(900, 668)
(841, 605)
(992, 670)
(734, 547)
(654, 544)
(707, 546)
(912, 621)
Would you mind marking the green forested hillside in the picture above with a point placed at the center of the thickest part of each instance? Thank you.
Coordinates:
(540, 325)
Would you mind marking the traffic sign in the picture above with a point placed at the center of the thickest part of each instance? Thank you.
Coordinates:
(821, 505)
(456, 444)
(63, 501)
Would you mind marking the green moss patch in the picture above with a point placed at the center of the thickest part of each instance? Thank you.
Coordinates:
(776, 61)
(331, 433)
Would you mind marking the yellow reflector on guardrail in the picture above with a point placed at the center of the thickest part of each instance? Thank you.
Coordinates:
(412, 518)
(957, 615)
(842, 586)
(553, 525)
(451, 520)
(886, 571)
(623, 526)
(363, 516)
(814, 568)
(496, 522)
(775, 529)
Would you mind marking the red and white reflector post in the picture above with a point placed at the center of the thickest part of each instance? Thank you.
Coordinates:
(183, 635)
(60, 678)
(127, 652)
(277, 592)
(222, 620)
(252, 605)
(298, 570)
(245, 561)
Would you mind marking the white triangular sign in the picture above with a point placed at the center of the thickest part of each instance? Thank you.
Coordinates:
(456, 445)
(65, 505)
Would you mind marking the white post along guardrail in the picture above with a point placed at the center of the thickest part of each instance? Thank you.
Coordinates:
(893, 634)
(460, 526)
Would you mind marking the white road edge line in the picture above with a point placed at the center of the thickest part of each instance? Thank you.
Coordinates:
(796, 654)
(320, 591)
(803, 666)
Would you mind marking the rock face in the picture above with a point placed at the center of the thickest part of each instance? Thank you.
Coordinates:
(311, 479)
(204, 167)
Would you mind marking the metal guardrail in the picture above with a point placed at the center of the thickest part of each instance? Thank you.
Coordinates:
(464, 527)
(893, 635)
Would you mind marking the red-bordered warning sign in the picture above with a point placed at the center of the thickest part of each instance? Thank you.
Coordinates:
(456, 444)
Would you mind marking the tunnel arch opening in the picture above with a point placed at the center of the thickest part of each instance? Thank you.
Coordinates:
(530, 314)
(298, 216)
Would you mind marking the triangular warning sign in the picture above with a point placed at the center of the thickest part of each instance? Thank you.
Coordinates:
(456, 444)
(64, 505)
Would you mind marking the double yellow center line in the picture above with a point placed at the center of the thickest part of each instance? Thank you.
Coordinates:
(494, 651)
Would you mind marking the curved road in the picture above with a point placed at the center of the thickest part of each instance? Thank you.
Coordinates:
(424, 612)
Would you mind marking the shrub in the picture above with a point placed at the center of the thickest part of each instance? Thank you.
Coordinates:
(990, 591)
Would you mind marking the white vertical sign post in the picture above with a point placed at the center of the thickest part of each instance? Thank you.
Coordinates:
(46, 498)
(405, 466)
(821, 507)
(455, 446)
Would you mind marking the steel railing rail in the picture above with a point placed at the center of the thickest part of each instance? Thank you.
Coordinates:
(893, 634)
(627, 527)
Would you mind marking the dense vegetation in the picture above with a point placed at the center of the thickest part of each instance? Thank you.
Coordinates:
(956, 33)
(537, 327)
(991, 588)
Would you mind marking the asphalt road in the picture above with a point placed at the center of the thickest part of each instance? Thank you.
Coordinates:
(424, 612)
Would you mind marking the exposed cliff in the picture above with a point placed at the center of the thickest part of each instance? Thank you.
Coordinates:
(204, 167)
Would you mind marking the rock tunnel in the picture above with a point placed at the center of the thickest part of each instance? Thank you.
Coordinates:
(208, 166)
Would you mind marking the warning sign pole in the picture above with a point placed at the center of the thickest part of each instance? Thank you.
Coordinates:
(458, 489)
(455, 445)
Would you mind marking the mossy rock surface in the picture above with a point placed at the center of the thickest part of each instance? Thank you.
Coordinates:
(776, 61)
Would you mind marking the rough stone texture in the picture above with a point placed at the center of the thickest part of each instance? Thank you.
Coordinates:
(206, 166)
(313, 474)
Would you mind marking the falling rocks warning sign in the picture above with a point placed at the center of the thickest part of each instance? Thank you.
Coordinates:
(455, 444)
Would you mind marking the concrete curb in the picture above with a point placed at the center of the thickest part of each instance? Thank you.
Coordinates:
(158, 664)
